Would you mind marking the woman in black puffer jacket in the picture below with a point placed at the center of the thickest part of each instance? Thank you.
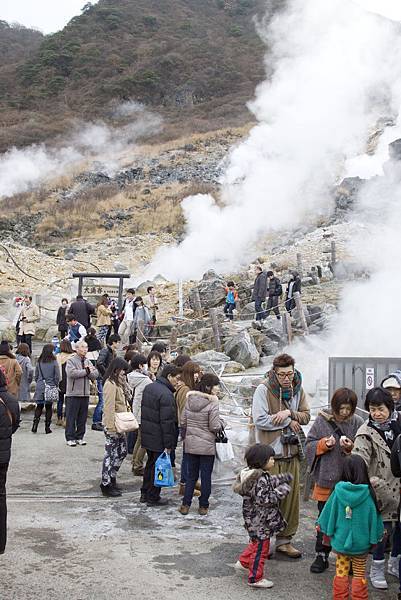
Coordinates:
(9, 423)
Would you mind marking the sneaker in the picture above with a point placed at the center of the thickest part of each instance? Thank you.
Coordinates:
(320, 564)
(97, 427)
(71, 443)
(240, 567)
(81, 442)
(184, 510)
(392, 566)
(262, 583)
(202, 511)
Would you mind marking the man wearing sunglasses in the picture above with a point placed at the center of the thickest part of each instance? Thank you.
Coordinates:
(279, 408)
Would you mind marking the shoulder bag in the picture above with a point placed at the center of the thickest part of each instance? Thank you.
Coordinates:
(125, 422)
(51, 391)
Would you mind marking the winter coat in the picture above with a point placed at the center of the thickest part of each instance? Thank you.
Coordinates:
(141, 314)
(48, 372)
(158, 416)
(200, 421)
(9, 423)
(350, 519)
(259, 291)
(105, 357)
(13, 373)
(262, 494)
(370, 445)
(274, 287)
(82, 311)
(25, 363)
(103, 315)
(138, 382)
(114, 402)
(395, 460)
(328, 467)
(93, 344)
(60, 319)
(62, 363)
(78, 380)
(32, 315)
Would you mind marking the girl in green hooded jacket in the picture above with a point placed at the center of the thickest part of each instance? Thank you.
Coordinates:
(352, 521)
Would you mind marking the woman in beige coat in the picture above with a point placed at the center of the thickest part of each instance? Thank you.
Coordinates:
(103, 319)
(115, 445)
(11, 368)
(373, 441)
(200, 421)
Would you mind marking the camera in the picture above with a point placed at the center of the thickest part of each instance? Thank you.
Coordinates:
(289, 437)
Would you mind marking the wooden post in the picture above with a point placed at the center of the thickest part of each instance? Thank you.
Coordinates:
(216, 330)
(300, 308)
(287, 326)
(180, 299)
(197, 301)
(299, 264)
(173, 339)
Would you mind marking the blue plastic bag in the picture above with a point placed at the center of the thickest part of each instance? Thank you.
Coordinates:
(164, 476)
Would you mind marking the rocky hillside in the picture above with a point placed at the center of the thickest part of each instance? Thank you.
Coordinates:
(197, 62)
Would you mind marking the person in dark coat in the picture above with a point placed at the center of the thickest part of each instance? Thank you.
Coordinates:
(106, 355)
(158, 427)
(259, 292)
(82, 310)
(294, 285)
(9, 423)
(60, 319)
(275, 290)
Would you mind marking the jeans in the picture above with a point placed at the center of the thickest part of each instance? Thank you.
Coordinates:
(184, 468)
(379, 551)
(76, 413)
(202, 464)
(260, 313)
(148, 489)
(27, 339)
(272, 304)
(60, 405)
(3, 507)
(228, 310)
(98, 412)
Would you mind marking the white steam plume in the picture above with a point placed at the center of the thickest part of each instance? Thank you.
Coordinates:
(334, 73)
(24, 169)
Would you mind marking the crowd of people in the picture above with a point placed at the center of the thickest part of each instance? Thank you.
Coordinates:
(355, 462)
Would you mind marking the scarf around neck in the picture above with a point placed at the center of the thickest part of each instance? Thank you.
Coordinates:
(389, 429)
(285, 394)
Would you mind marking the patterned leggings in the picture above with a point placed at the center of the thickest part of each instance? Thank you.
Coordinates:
(343, 565)
(115, 450)
(102, 333)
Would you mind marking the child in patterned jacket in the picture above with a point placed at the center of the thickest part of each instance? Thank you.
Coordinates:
(262, 494)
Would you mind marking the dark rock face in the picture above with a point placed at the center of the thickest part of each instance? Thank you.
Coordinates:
(347, 192)
(211, 290)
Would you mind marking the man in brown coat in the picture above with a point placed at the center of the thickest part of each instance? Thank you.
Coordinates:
(279, 408)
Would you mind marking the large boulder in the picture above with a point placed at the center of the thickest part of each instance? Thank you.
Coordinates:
(242, 349)
(211, 290)
(210, 359)
(233, 367)
(248, 311)
(273, 329)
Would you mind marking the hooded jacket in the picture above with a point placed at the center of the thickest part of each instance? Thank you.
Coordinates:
(259, 291)
(262, 494)
(137, 382)
(24, 394)
(351, 520)
(13, 372)
(200, 421)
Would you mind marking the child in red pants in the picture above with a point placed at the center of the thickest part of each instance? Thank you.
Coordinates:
(261, 494)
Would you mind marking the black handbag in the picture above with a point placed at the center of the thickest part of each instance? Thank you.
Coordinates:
(221, 437)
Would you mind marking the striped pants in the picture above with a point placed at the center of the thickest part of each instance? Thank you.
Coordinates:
(253, 558)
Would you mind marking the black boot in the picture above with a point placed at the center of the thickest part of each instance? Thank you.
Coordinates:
(35, 425)
(48, 419)
(47, 427)
(320, 564)
(114, 484)
(109, 491)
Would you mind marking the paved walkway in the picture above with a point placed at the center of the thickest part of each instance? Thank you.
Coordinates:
(66, 542)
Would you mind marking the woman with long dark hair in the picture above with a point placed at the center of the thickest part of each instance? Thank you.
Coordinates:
(23, 356)
(115, 444)
(9, 423)
(374, 441)
(155, 362)
(47, 377)
(330, 440)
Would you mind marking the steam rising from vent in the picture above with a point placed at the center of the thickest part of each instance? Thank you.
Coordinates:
(22, 170)
(335, 72)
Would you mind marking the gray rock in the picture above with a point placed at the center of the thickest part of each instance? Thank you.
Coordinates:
(242, 349)
(273, 329)
(269, 347)
(211, 290)
(119, 267)
(210, 356)
(248, 311)
(233, 367)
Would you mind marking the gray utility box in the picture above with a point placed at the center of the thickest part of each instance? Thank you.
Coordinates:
(359, 374)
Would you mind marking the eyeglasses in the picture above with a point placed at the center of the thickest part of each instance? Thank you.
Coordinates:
(288, 375)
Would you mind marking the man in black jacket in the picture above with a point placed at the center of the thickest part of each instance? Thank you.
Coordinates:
(82, 311)
(104, 359)
(9, 423)
(158, 428)
(259, 292)
(275, 290)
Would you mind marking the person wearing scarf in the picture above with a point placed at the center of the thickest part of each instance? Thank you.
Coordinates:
(279, 408)
(373, 441)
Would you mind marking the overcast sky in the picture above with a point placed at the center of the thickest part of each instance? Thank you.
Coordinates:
(47, 15)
